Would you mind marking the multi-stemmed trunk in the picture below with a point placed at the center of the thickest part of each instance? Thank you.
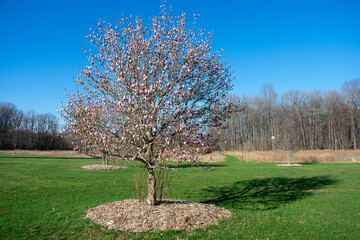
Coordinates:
(151, 198)
(288, 155)
(105, 160)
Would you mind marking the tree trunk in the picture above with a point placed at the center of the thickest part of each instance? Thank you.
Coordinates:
(302, 130)
(151, 198)
(288, 155)
(354, 131)
(105, 160)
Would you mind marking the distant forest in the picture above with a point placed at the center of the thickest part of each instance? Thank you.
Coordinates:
(29, 131)
(296, 120)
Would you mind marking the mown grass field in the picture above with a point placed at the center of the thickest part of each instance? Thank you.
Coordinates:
(45, 197)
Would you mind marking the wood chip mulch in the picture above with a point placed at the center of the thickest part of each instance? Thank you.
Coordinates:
(134, 216)
(289, 165)
(100, 166)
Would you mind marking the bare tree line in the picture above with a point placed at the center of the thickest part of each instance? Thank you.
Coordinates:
(30, 131)
(296, 120)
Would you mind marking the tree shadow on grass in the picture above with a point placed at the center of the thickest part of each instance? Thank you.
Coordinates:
(267, 193)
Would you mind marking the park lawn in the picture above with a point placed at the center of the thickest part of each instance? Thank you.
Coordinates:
(45, 197)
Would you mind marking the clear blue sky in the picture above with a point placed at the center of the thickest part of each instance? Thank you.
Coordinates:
(301, 45)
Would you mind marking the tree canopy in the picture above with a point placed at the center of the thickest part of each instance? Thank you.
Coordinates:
(150, 93)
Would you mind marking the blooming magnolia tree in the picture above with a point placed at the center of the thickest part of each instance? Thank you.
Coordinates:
(150, 93)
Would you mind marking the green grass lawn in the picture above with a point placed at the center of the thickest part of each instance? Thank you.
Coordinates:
(45, 197)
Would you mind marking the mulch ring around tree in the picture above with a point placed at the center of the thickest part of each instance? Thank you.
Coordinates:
(133, 215)
(100, 166)
(289, 165)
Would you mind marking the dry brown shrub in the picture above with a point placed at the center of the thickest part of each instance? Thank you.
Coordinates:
(55, 153)
(307, 156)
(212, 157)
